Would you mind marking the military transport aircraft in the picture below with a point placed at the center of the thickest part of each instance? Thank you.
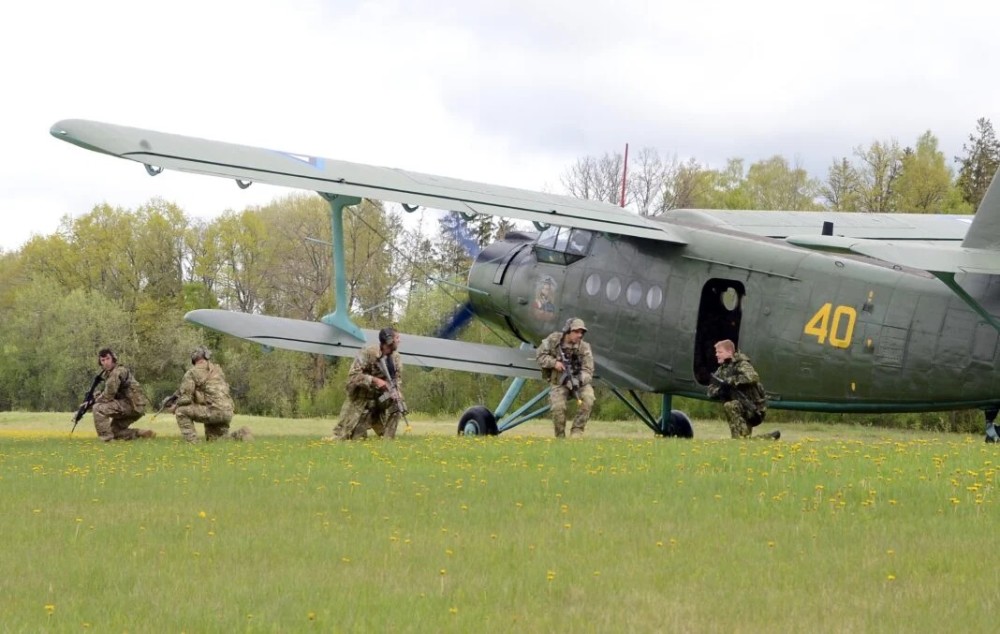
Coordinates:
(841, 312)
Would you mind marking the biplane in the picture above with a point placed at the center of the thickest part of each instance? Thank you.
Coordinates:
(841, 312)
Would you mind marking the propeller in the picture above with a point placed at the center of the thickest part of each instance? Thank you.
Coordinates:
(459, 319)
(453, 224)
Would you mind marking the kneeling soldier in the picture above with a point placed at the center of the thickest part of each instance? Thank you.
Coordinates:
(203, 397)
(120, 404)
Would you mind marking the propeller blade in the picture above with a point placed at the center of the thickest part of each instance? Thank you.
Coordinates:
(456, 322)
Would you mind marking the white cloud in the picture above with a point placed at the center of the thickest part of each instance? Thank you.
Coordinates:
(508, 92)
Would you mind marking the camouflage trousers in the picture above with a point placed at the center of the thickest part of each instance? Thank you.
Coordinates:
(557, 400)
(357, 416)
(216, 422)
(112, 420)
(741, 419)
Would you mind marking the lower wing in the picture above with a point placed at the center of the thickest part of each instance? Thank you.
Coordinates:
(319, 338)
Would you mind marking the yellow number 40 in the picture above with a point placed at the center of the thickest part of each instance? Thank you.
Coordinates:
(823, 326)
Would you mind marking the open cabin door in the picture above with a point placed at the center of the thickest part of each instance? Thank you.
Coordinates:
(720, 312)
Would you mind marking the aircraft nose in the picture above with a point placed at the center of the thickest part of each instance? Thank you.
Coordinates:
(489, 280)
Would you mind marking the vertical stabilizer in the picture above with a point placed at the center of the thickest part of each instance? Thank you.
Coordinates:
(984, 233)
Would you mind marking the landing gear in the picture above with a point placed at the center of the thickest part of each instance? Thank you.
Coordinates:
(678, 425)
(478, 421)
(671, 423)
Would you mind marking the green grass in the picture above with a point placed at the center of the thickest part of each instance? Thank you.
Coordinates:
(837, 529)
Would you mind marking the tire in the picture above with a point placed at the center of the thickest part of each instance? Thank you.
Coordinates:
(679, 425)
(478, 421)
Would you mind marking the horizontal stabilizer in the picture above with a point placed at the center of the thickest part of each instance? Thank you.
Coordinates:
(782, 224)
(934, 258)
(319, 338)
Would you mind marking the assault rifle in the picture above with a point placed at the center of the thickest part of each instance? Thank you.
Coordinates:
(164, 404)
(729, 391)
(570, 376)
(88, 401)
(393, 393)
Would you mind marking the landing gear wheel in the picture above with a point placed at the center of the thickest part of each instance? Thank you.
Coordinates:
(679, 425)
(478, 421)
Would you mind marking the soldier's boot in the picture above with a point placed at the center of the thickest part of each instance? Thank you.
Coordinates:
(243, 433)
(147, 433)
(559, 426)
(774, 435)
(991, 433)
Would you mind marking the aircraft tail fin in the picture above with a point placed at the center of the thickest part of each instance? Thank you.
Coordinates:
(984, 233)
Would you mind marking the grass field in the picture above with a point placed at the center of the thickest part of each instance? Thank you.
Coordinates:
(832, 529)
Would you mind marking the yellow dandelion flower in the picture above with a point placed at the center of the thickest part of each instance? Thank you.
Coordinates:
(550, 575)
(202, 514)
(50, 608)
(453, 610)
(890, 577)
(311, 616)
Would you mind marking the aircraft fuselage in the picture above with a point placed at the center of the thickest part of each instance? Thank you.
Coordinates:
(826, 332)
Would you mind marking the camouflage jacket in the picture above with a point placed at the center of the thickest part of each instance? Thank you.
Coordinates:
(205, 384)
(739, 376)
(580, 356)
(360, 379)
(120, 385)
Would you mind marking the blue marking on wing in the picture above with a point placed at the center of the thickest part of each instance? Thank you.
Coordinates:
(315, 162)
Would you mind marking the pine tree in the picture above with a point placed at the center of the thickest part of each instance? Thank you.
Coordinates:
(980, 163)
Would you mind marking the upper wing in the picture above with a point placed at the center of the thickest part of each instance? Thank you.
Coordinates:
(215, 158)
(319, 338)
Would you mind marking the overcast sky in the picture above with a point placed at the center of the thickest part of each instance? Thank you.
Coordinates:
(509, 92)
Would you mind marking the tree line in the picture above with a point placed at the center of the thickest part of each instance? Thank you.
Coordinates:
(124, 278)
(878, 178)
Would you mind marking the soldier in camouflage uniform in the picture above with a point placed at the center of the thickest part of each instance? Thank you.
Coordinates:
(737, 384)
(120, 404)
(371, 403)
(554, 354)
(203, 397)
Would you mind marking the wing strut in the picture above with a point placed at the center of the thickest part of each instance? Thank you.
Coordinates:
(340, 317)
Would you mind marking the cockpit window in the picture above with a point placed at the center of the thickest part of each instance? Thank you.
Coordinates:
(548, 237)
(562, 245)
(579, 242)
